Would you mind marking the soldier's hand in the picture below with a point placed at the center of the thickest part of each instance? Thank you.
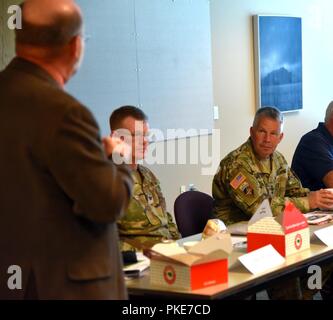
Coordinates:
(322, 199)
(116, 146)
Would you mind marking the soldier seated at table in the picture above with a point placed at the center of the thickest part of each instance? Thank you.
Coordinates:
(256, 171)
(146, 220)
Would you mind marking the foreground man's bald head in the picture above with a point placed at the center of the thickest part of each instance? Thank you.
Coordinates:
(51, 35)
(49, 22)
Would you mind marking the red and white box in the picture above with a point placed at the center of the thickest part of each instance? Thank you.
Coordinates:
(204, 264)
(288, 233)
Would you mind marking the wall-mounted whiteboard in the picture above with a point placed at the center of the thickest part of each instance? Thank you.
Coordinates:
(155, 54)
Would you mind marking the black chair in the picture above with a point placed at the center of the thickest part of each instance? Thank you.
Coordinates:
(192, 210)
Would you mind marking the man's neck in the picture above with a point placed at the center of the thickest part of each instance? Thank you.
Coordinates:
(329, 127)
(53, 71)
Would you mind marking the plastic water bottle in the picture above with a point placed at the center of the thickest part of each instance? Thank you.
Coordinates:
(191, 187)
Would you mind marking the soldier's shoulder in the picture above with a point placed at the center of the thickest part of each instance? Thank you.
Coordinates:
(280, 157)
(148, 174)
(237, 157)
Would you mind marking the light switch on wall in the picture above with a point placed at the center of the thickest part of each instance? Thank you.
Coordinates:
(216, 112)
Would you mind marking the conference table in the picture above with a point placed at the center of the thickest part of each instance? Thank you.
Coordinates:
(241, 282)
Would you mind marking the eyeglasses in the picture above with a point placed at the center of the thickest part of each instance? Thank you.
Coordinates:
(140, 135)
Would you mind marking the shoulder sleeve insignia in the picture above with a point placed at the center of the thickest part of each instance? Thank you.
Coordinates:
(247, 188)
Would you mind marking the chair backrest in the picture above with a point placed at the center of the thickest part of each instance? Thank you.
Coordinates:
(192, 210)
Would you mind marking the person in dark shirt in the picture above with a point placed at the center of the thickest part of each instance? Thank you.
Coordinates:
(313, 164)
(313, 157)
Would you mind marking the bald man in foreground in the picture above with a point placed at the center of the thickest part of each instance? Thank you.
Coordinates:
(60, 194)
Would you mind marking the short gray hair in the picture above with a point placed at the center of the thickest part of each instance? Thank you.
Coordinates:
(268, 112)
(329, 112)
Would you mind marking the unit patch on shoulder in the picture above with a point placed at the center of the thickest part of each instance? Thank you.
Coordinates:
(247, 188)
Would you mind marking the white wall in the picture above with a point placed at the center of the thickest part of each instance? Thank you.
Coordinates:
(6, 35)
(233, 66)
(233, 78)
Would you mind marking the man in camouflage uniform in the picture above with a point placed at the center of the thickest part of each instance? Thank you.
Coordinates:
(243, 182)
(256, 171)
(146, 220)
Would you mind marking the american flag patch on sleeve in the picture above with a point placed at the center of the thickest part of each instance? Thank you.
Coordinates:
(237, 181)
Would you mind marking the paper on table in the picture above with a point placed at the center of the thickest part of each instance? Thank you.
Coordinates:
(240, 228)
(239, 241)
(262, 259)
(318, 217)
(325, 235)
(142, 264)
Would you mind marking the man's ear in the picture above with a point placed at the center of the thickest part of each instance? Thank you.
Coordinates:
(251, 131)
(76, 47)
(281, 136)
(117, 134)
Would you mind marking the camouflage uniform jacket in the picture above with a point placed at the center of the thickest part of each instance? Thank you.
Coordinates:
(242, 183)
(146, 220)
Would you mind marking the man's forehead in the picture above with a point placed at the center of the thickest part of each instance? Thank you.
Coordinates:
(266, 121)
(132, 123)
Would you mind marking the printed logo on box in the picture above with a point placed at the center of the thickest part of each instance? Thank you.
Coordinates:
(298, 241)
(169, 274)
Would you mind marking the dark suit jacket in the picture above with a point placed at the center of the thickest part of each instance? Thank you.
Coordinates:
(60, 196)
